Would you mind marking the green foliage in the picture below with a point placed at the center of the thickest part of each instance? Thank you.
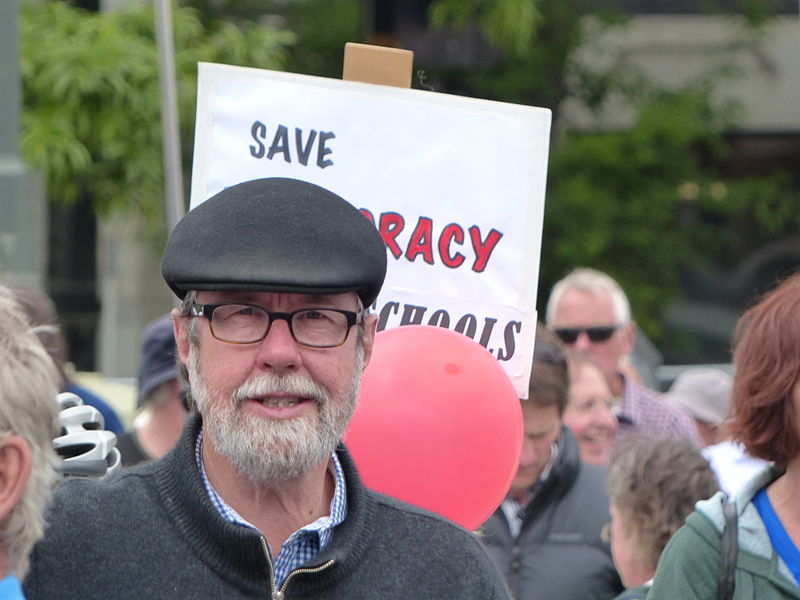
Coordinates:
(614, 204)
(323, 36)
(511, 24)
(532, 67)
(616, 199)
(91, 101)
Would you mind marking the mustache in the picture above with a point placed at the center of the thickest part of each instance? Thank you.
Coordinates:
(293, 384)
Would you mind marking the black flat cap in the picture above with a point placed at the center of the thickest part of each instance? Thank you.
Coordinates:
(275, 235)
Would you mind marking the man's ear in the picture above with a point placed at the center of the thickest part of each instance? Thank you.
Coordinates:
(180, 326)
(370, 327)
(628, 336)
(15, 469)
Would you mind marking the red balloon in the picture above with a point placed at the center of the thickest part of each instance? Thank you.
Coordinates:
(438, 423)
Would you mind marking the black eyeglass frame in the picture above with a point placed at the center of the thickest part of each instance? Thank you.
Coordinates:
(207, 311)
(602, 333)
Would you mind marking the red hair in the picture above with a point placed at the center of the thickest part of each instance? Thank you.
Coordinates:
(767, 359)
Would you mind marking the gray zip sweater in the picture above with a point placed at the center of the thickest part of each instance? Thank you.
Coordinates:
(151, 532)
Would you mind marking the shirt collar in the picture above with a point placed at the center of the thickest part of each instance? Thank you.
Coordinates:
(322, 526)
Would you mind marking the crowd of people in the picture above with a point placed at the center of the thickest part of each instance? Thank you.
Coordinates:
(236, 483)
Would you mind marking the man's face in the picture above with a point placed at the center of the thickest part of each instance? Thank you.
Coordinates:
(274, 408)
(542, 425)
(580, 310)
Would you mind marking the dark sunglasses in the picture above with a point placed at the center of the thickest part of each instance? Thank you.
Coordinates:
(569, 335)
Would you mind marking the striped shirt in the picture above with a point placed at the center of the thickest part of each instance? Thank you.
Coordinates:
(305, 543)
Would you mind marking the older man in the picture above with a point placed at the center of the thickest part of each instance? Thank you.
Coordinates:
(28, 411)
(590, 313)
(258, 499)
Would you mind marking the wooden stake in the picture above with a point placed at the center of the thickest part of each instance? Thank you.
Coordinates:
(377, 64)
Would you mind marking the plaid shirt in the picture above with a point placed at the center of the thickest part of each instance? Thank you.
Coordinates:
(648, 412)
(305, 543)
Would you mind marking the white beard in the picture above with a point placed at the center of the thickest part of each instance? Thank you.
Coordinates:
(267, 450)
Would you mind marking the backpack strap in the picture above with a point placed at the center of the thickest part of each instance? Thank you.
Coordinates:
(729, 551)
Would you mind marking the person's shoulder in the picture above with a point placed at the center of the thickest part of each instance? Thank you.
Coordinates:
(701, 532)
(637, 593)
(453, 552)
(423, 527)
(643, 391)
(590, 482)
(389, 507)
(78, 495)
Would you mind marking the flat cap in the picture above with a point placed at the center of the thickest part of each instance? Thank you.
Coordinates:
(276, 235)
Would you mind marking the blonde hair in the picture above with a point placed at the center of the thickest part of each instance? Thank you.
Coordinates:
(28, 386)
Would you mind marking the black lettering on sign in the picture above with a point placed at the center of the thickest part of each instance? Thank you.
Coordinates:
(467, 324)
(508, 336)
(412, 315)
(258, 130)
(386, 311)
(280, 144)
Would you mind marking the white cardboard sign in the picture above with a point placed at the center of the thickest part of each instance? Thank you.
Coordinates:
(454, 185)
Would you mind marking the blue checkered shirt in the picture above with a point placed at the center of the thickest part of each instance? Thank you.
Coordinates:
(305, 543)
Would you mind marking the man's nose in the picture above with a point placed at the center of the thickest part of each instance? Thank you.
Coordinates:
(278, 350)
(582, 342)
(528, 454)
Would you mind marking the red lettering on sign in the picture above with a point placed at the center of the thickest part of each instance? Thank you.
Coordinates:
(483, 249)
(452, 232)
(420, 242)
(390, 227)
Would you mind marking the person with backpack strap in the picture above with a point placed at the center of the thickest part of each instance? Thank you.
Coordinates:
(698, 562)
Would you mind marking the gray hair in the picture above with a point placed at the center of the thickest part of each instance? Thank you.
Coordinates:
(592, 281)
(655, 484)
(28, 387)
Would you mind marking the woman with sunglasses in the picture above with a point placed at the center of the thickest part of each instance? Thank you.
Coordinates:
(766, 420)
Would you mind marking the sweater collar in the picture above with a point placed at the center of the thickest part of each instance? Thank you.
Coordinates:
(235, 553)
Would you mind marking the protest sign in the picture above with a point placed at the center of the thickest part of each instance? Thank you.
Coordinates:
(454, 185)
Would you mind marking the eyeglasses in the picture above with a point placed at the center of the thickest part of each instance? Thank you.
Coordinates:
(569, 335)
(250, 323)
(612, 403)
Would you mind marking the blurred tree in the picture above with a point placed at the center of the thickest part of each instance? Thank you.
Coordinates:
(91, 103)
(639, 203)
(616, 199)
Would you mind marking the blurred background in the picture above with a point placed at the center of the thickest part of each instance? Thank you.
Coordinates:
(674, 161)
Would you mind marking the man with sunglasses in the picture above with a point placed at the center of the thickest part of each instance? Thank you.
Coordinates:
(259, 499)
(590, 314)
